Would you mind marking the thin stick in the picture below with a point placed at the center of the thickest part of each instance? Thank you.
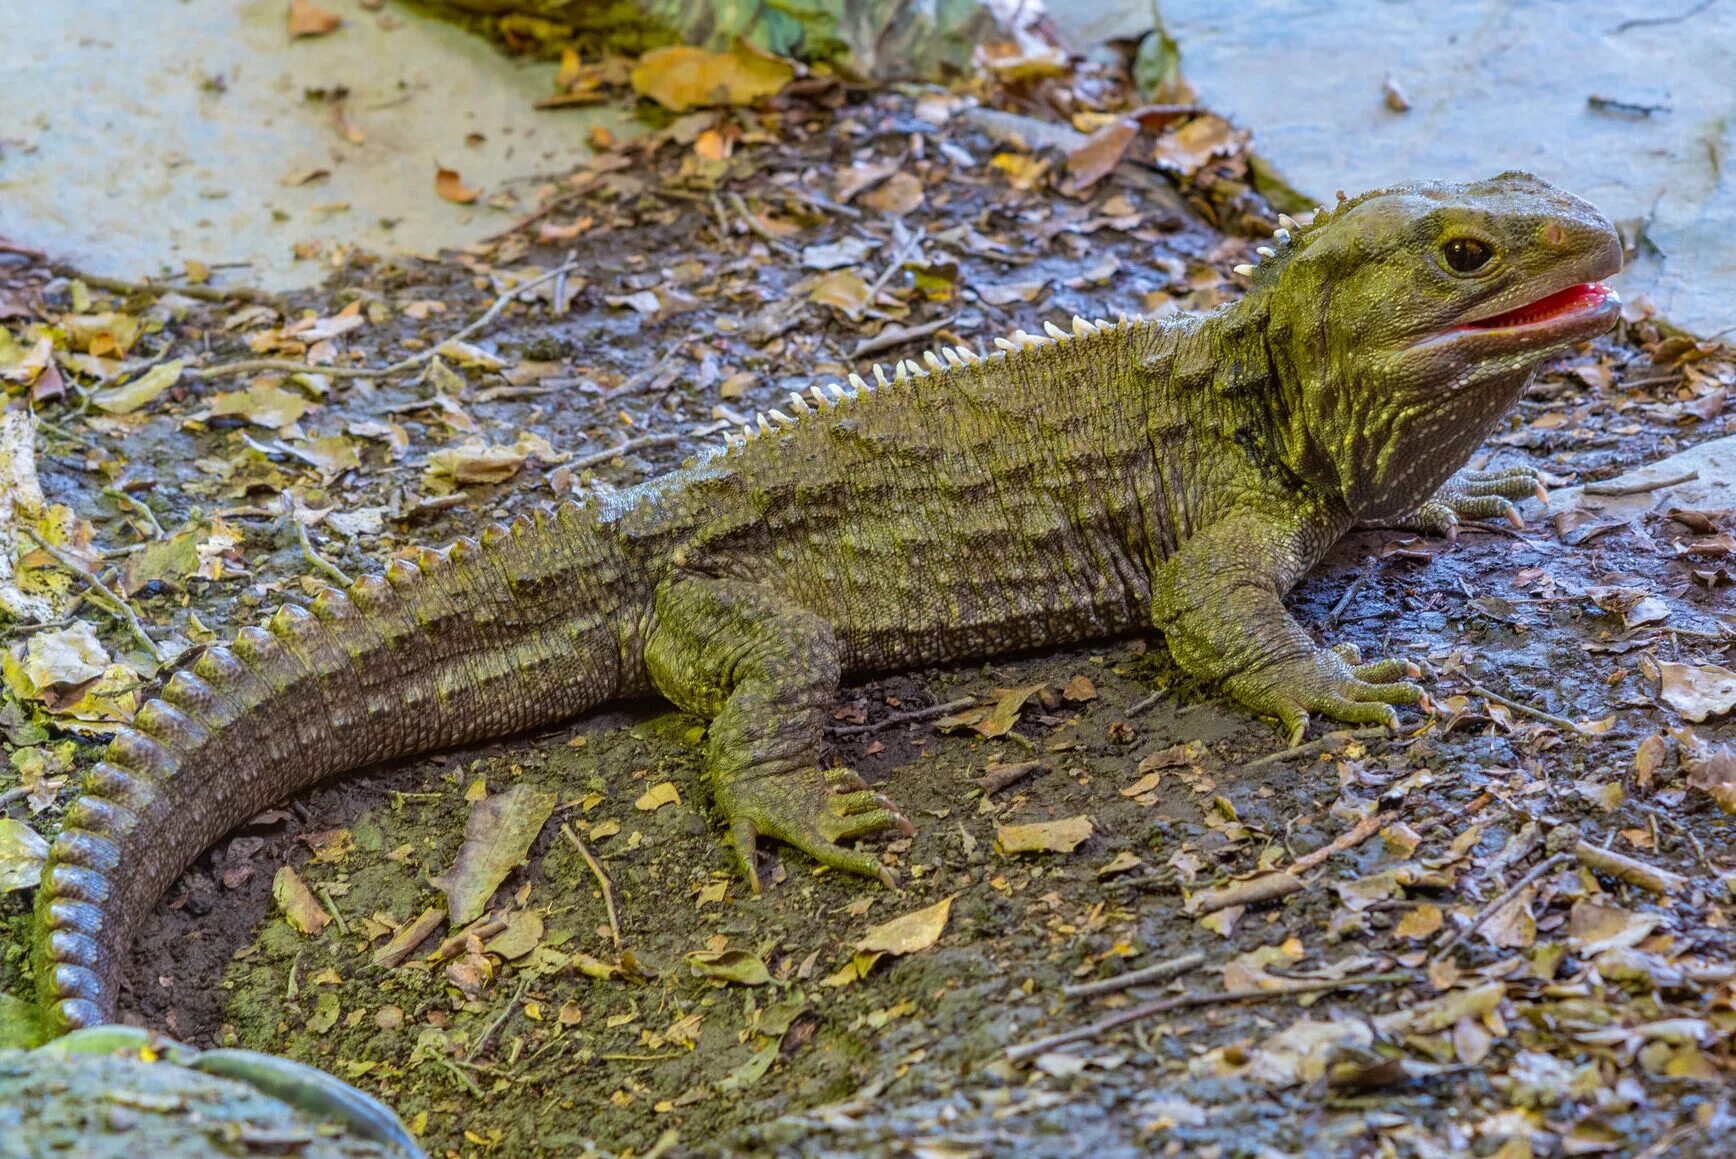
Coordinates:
(325, 895)
(1184, 1001)
(117, 606)
(637, 444)
(1494, 907)
(898, 718)
(1629, 869)
(896, 336)
(1157, 972)
(1527, 710)
(23, 251)
(290, 366)
(1144, 703)
(331, 570)
(912, 244)
(1641, 488)
(202, 293)
(602, 880)
(138, 508)
(1344, 600)
(1350, 839)
(1316, 745)
(523, 985)
(644, 378)
(758, 229)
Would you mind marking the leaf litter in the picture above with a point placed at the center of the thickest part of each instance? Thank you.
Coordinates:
(1547, 906)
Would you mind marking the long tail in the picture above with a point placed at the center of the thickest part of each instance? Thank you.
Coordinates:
(479, 640)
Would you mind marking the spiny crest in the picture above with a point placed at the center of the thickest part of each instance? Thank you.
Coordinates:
(947, 360)
(1290, 235)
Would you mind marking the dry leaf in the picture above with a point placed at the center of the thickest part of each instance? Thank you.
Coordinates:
(23, 852)
(300, 908)
(1079, 689)
(910, 933)
(1711, 770)
(681, 77)
(497, 836)
(1697, 691)
(736, 966)
(307, 19)
(1422, 922)
(900, 194)
(129, 397)
(1099, 154)
(658, 795)
(266, 405)
(64, 657)
(450, 186)
(1044, 836)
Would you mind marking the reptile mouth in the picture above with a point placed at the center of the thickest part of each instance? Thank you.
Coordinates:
(1579, 311)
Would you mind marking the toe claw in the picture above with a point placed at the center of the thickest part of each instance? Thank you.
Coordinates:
(1413, 670)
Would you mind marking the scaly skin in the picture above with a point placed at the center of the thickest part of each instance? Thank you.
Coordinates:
(1181, 475)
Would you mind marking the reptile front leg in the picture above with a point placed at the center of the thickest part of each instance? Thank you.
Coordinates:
(1472, 495)
(1218, 603)
(766, 672)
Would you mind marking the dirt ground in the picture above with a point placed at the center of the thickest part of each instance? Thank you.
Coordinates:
(1589, 1015)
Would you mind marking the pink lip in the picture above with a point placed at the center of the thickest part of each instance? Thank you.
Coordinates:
(1583, 301)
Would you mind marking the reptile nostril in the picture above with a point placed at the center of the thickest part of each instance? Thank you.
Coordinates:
(1554, 235)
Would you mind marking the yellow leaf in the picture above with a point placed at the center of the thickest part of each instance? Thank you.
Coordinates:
(681, 77)
(658, 795)
(450, 186)
(125, 399)
(1044, 836)
(910, 933)
(300, 908)
(1419, 923)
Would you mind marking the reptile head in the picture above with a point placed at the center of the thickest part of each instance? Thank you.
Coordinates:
(1410, 319)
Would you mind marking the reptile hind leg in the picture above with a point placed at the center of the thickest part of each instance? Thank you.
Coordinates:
(1473, 495)
(766, 672)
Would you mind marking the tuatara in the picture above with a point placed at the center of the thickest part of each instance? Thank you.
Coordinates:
(1099, 479)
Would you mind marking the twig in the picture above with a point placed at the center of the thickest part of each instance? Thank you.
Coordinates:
(138, 508)
(644, 378)
(1265, 887)
(1157, 972)
(637, 444)
(815, 200)
(1699, 850)
(602, 880)
(1349, 594)
(1316, 745)
(325, 895)
(1629, 869)
(1641, 487)
(895, 336)
(1527, 710)
(117, 606)
(998, 777)
(202, 293)
(902, 254)
(23, 251)
(1184, 1001)
(898, 718)
(1350, 839)
(1644, 21)
(290, 366)
(320, 562)
(458, 1074)
(1144, 702)
(523, 985)
(756, 227)
(1452, 941)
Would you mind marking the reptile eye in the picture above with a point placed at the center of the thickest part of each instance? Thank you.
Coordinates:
(1466, 255)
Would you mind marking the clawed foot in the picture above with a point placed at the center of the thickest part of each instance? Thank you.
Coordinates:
(1476, 495)
(1332, 682)
(812, 810)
